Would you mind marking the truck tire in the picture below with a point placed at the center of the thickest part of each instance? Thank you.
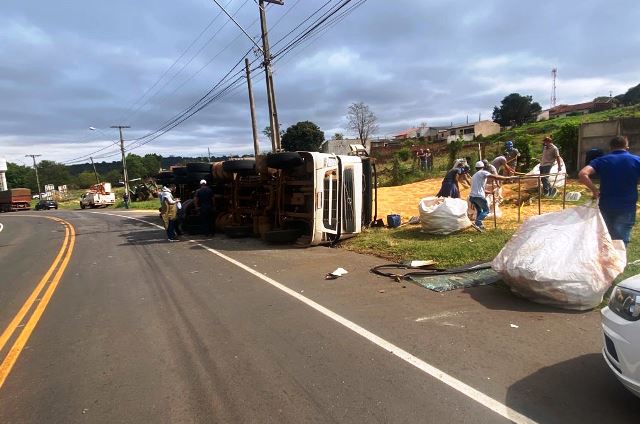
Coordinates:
(282, 236)
(82, 206)
(242, 166)
(198, 167)
(238, 231)
(284, 160)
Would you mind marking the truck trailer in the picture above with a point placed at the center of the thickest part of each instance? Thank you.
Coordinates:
(15, 199)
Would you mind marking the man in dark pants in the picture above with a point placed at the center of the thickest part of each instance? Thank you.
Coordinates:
(550, 154)
(203, 200)
(619, 172)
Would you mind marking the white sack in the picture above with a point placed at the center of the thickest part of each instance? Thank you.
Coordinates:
(555, 180)
(565, 259)
(443, 215)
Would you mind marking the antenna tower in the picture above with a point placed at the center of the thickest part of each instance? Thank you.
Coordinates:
(554, 75)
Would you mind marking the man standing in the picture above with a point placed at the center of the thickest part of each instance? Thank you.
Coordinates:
(619, 172)
(550, 154)
(429, 159)
(422, 157)
(203, 200)
(477, 196)
(512, 154)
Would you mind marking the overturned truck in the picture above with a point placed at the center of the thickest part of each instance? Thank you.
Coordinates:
(307, 198)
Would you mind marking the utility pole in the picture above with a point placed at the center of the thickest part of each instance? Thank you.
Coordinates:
(209, 153)
(256, 144)
(35, 166)
(124, 165)
(94, 170)
(271, 96)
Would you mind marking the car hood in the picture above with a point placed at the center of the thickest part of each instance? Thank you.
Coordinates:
(632, 283)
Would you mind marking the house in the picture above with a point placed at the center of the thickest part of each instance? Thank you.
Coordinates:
(344, 147)
(561, 111)
(469, 131)
(408, 133)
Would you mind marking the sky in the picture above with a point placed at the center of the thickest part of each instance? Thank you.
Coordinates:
(70, 65)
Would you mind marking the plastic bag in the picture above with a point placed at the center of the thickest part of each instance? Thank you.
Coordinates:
(565, 259)
(443, 215)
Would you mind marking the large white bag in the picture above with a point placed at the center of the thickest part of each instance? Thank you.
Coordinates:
(556, 181)
(443, 215)
(565, 259)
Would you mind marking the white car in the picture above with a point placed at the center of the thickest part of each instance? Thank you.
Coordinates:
(621, 326)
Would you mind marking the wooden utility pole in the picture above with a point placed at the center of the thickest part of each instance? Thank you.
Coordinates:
(35, 166)
(254, 125)
(124, 166)
(94, 170)
(271, 97)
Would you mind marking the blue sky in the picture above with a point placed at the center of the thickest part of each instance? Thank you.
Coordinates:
(73, 64)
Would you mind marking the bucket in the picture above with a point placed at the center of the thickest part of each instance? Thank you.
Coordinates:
(393, 220)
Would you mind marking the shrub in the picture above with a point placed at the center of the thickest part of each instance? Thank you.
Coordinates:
(566, 138)
(404, 154)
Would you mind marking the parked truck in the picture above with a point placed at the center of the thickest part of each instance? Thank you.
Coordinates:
(98, 196)
(15, 199)
(309, 198)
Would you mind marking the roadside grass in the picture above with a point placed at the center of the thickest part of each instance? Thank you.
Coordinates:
(409, 243)
(152, 204)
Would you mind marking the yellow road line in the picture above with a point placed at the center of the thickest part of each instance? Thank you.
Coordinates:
(34, 295)
(23, 337)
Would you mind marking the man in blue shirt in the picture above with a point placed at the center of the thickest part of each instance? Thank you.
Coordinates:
(619, 172)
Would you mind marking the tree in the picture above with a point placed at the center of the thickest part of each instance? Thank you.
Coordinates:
(338, 136)
(515, 109)
(18, 176)
(135, 166)
(267, 132)
(86, 179)
(361, 120)
(152, 164)
(632, 96)
(303, 136)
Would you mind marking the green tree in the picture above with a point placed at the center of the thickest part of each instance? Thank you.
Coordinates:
(515, 110)
(54, 173)
(338, 136)
(632, 96)
(18, 176)
(152, 164)
(114, 176)
(566, 138)
(85, 179)
(135, 166)
(303, 136)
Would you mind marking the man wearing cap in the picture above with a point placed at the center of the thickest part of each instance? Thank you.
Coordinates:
(619, 172)
(203, 199)
(550, 154)
(477, 196)
(512, 155)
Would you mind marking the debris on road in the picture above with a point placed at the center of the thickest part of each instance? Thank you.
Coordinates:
(514, 326)
(339, 272)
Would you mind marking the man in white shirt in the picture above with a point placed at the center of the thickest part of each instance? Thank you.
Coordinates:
(477, 196)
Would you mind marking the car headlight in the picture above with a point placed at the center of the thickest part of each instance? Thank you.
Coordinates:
(626, 303)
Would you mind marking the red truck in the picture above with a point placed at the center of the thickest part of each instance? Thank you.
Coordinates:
(15, 199)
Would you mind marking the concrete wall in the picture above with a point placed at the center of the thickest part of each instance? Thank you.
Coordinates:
(597, 135)
(485, 128)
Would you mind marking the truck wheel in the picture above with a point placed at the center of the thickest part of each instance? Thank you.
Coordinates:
(197, 167)
(238, 231)
(284, 160)
(82, 205)
(282, 236)
(242, 166)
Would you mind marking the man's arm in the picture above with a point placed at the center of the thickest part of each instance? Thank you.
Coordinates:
(498, 177)
(196, 200)
(585, 178)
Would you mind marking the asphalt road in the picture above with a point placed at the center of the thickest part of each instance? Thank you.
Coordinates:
(139, 330)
